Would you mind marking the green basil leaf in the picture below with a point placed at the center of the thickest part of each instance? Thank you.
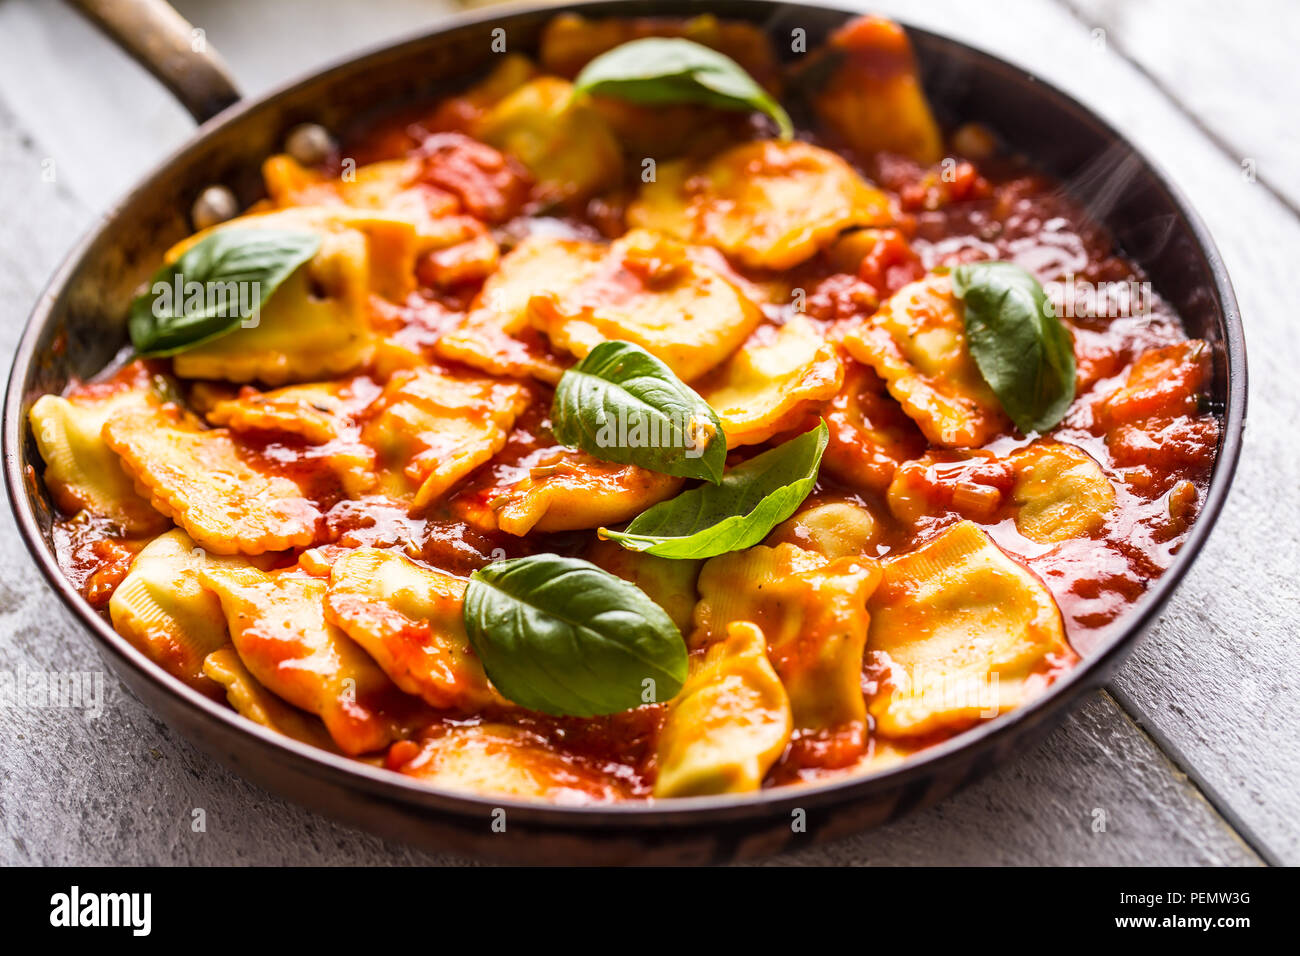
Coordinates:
(622, 404)
(737, 513)
(671, 70)
(215, 286)
(565, 637)
(1022, 349)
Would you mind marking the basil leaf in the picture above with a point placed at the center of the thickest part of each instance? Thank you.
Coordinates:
(1022, 349)
(215, 286)
(622, 404)
(672, 70)
(565, 637)
(751, 500)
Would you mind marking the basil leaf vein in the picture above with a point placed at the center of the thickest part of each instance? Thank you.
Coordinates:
(751, 500)
(672, 70)
(1021, 348)
(214, 286)
(622, 404)
(561, 636)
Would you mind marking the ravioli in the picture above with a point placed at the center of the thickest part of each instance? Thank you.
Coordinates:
(162, 608)
(430, 429)
(570, 41)
(565, 144)
(962, 633)
(254, 702)
(391, 186)
(916, 342)
(656, 293)
(81, 471)
(495, 335)
(667, 582)
(772, 381)
(814, 615)
(325, 415)
(413, 206)
(318, 412)
(505, 761)
(409, 618)
(833, 529)
(870, 434)
(728, 724)
(316, 324)
(562, 489)
(1060, 493)
(766, 204)
(873, 96)
(206, 484)
(277, 624)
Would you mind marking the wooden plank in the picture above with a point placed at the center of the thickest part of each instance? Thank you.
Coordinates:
(100, 118)
(106, 122)
(1232, 66)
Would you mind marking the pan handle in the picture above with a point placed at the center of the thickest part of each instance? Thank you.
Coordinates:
(165, 44)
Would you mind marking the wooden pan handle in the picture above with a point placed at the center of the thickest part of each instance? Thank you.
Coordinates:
(165, 44)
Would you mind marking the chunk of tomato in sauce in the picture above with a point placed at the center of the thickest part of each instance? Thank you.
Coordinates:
(1163, 382)
(490, 185)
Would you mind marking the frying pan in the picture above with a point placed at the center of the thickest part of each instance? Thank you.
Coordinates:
(78, 324)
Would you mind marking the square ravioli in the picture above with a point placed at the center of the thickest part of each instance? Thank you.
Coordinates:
(813, 613)
(318, 412)
(916, 342)
(431, 428)
(959, 632)
(254, 702)
(772, 381)
(278, 627)
(317, 322)
(204, 481)
(561, 489)
(657, 293)
(495, 335)
(81, 471)
(767, 205)
(507, 761)
(729, 723)
(409, 618)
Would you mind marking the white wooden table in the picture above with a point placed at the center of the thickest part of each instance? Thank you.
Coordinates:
(1192, 754)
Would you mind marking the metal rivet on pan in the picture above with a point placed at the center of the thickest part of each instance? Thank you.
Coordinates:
(309, 143)
(215, 204)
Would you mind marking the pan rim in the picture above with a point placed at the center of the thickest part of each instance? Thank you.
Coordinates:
(692, 811)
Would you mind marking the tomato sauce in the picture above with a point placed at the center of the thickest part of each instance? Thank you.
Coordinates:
(1154, 442)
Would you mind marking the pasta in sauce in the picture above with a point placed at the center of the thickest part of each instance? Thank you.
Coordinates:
(285, 517)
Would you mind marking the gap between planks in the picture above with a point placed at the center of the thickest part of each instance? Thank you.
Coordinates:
(1179, 764)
